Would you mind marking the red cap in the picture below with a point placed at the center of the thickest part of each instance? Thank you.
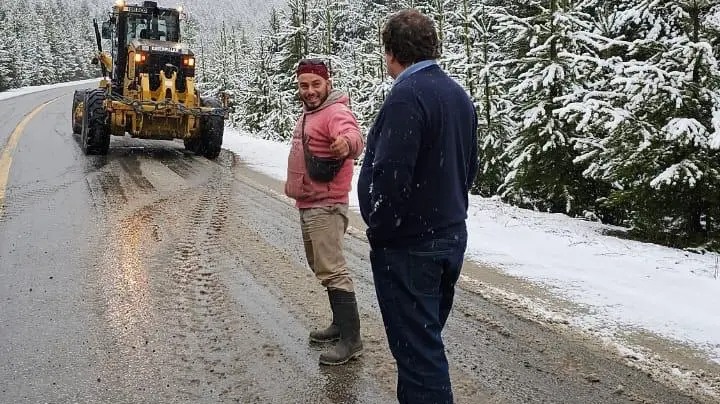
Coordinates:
(314, 68)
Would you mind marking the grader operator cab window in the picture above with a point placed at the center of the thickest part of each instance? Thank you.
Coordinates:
(162, 25)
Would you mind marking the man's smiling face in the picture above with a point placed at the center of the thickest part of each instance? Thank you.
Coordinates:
(314, 90)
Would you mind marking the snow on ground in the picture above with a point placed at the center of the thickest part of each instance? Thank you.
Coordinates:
(623, 284)
(16, 92)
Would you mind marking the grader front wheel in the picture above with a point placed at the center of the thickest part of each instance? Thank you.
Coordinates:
(95, 133)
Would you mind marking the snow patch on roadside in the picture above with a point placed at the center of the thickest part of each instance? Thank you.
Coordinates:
(542, 311)
(17, 92)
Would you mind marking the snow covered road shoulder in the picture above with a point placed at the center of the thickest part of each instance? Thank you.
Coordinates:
(623, 284)
(17, 92)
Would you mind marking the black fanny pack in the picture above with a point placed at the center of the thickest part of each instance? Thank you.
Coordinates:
(320, 169)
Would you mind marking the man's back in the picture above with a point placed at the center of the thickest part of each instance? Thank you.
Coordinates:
(427, 128)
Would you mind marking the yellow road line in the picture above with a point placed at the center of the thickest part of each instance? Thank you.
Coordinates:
(7, 153)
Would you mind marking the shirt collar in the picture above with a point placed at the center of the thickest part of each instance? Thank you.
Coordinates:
(414, 68)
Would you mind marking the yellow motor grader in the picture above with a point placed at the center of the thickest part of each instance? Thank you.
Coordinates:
(148, 86)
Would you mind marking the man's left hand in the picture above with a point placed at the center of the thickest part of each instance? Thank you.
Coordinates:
(340, 148)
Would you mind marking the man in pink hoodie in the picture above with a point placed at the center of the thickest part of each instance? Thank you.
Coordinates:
(326, 130)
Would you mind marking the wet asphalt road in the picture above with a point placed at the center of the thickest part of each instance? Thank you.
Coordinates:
(151, 275)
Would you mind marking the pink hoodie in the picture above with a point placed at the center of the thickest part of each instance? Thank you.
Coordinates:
(323, 125)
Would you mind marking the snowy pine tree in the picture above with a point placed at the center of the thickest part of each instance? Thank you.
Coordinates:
(7, 59)
(667, 175)
(364, 68)
(45, 41)
(553, 63)
(484, 77)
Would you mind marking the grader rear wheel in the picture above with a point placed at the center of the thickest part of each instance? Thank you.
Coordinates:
(192, 145)
(211, 130)
(78, 98)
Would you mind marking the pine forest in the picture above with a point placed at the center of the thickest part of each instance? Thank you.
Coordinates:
(605, 110)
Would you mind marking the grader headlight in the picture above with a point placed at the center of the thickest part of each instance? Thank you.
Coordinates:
(140, 57)
(189, 61)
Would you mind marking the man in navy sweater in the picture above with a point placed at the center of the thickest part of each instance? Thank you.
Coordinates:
(420, 161)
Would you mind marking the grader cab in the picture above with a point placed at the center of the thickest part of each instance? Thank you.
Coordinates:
(148, 90)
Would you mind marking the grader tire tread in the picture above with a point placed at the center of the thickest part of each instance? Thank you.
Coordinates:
(95, 128)
(211, 131)
(192, 145)
(78, 97)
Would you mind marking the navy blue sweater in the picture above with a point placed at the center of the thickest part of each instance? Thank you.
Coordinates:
(420, 161)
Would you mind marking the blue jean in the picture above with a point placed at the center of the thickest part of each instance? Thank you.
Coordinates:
(415, 288)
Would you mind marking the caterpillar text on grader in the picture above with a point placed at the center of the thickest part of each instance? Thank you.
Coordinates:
(148, 86)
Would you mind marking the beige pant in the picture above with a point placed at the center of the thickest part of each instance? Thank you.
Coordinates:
(323, 230)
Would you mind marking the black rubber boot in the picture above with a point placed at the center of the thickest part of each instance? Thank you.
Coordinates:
(346, 315)
(330, 334)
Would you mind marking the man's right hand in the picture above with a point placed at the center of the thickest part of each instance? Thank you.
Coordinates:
(340, 148)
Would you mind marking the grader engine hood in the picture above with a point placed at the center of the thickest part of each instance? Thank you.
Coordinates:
(156, 56)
